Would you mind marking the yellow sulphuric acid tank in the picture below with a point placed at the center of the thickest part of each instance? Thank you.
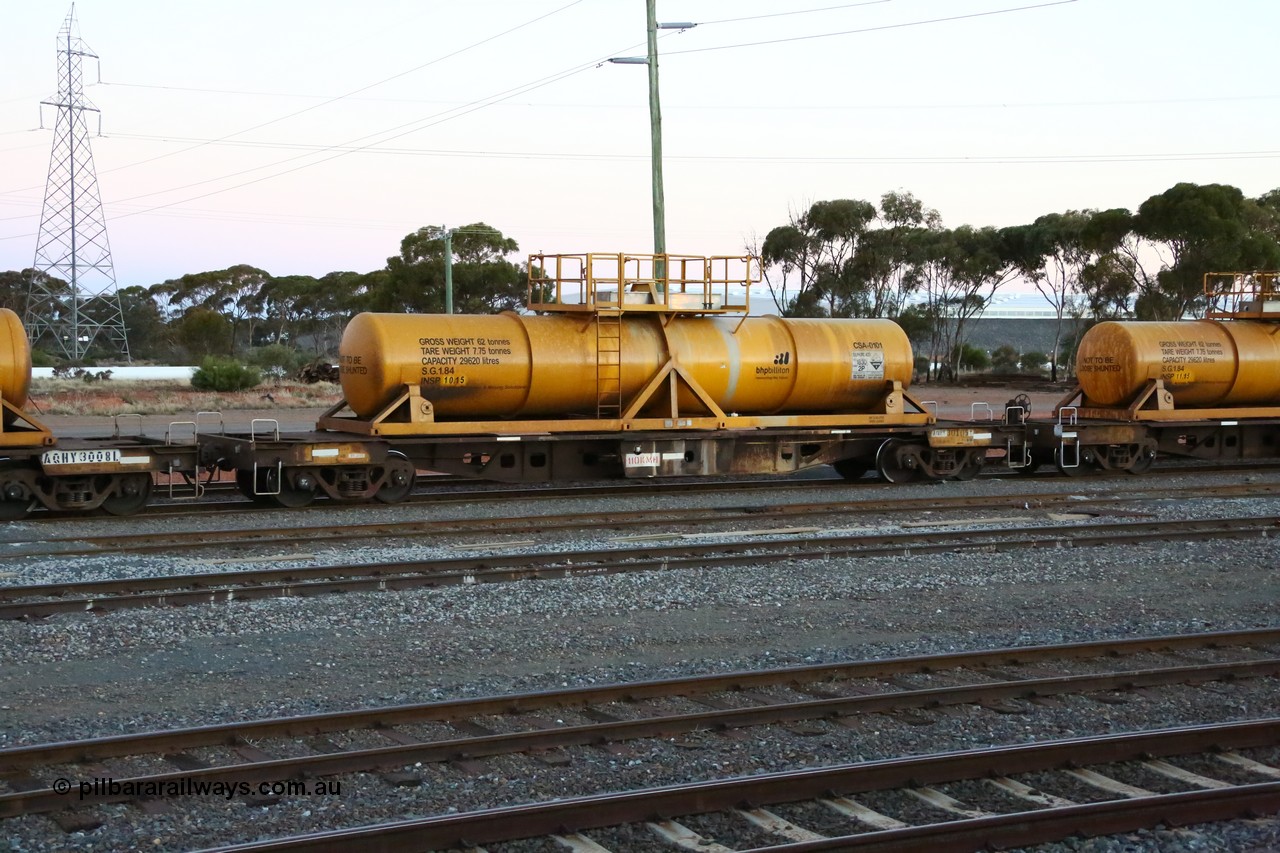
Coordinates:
(15, 360)
(512, 365)
(1203, 362)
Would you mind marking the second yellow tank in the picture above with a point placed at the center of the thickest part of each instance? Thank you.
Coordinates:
(1202, 362)
(513, 365)
(15, 360)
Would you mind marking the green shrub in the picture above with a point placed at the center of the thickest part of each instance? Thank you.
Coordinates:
(276, 360)
(1004, 359)
(1034, 361)
(973, 358)
(224, 374)
(40, 358)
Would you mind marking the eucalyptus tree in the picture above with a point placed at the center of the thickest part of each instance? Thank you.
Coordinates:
(1191, 230)
(1054, 252)
(484, 281)
(888, 256)
(819, 248)
(232, 293)
(960, 271)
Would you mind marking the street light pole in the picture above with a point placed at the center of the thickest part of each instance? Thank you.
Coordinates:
(655, 132)
(448, 271)
(447, 236)
(655, 119)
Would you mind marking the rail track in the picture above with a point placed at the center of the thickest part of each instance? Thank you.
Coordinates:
(464, 732)
(36, 601)
(700, 518)
(616, 820)
(461, 490)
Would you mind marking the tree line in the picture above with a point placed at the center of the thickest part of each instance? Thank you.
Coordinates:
(247, 313)
(838, 258)
(848, 258)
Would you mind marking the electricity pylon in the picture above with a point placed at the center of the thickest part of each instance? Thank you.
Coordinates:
(72, 301)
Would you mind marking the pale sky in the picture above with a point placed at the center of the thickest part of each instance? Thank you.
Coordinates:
(309, 137)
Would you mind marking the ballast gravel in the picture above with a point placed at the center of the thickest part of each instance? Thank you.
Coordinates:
(78, 676)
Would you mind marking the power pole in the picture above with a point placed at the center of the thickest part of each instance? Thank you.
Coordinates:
(655, 127)
(655, 132)
(72, 301)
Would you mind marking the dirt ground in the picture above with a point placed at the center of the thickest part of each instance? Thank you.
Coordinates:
(958, 401)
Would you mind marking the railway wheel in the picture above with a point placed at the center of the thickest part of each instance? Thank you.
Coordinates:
(131, 494)
(970, 466)
(851, 469)
(244, 482)
(14, 509)
(1143, 458)
(895, 461)
(295, 491)
(274, 486)
(399, 479)
(1083, 461)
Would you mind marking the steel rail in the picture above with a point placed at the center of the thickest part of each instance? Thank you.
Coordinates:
(1024, 829)
(224, 587)
(372, 718)
(143, 542)
(385, 758)
(472, 490)
(582, 814)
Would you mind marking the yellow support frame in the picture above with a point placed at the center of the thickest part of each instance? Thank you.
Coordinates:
(1154, 402)
(411, 414)
(19, 429)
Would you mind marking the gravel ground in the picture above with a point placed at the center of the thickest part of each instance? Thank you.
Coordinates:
(79, 676)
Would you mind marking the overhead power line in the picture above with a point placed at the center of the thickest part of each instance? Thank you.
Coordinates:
(879, 28)
(753, 158)
(332, 99)
(794, 12)
(352, 146)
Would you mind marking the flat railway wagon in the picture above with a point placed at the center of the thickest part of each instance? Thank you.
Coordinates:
(1199, 389)
(652, 366)
(625, 366)
(115, 473)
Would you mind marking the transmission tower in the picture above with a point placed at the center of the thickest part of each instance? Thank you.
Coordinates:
(72, 301)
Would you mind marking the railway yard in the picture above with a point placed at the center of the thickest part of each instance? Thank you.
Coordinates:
(704, 664)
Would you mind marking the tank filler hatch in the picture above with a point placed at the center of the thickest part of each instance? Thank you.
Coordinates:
(1242, 295)
(597, 282)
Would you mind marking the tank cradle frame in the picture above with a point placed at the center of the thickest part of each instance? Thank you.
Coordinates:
(21, 429)
(411, 414)
(1154, 402)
